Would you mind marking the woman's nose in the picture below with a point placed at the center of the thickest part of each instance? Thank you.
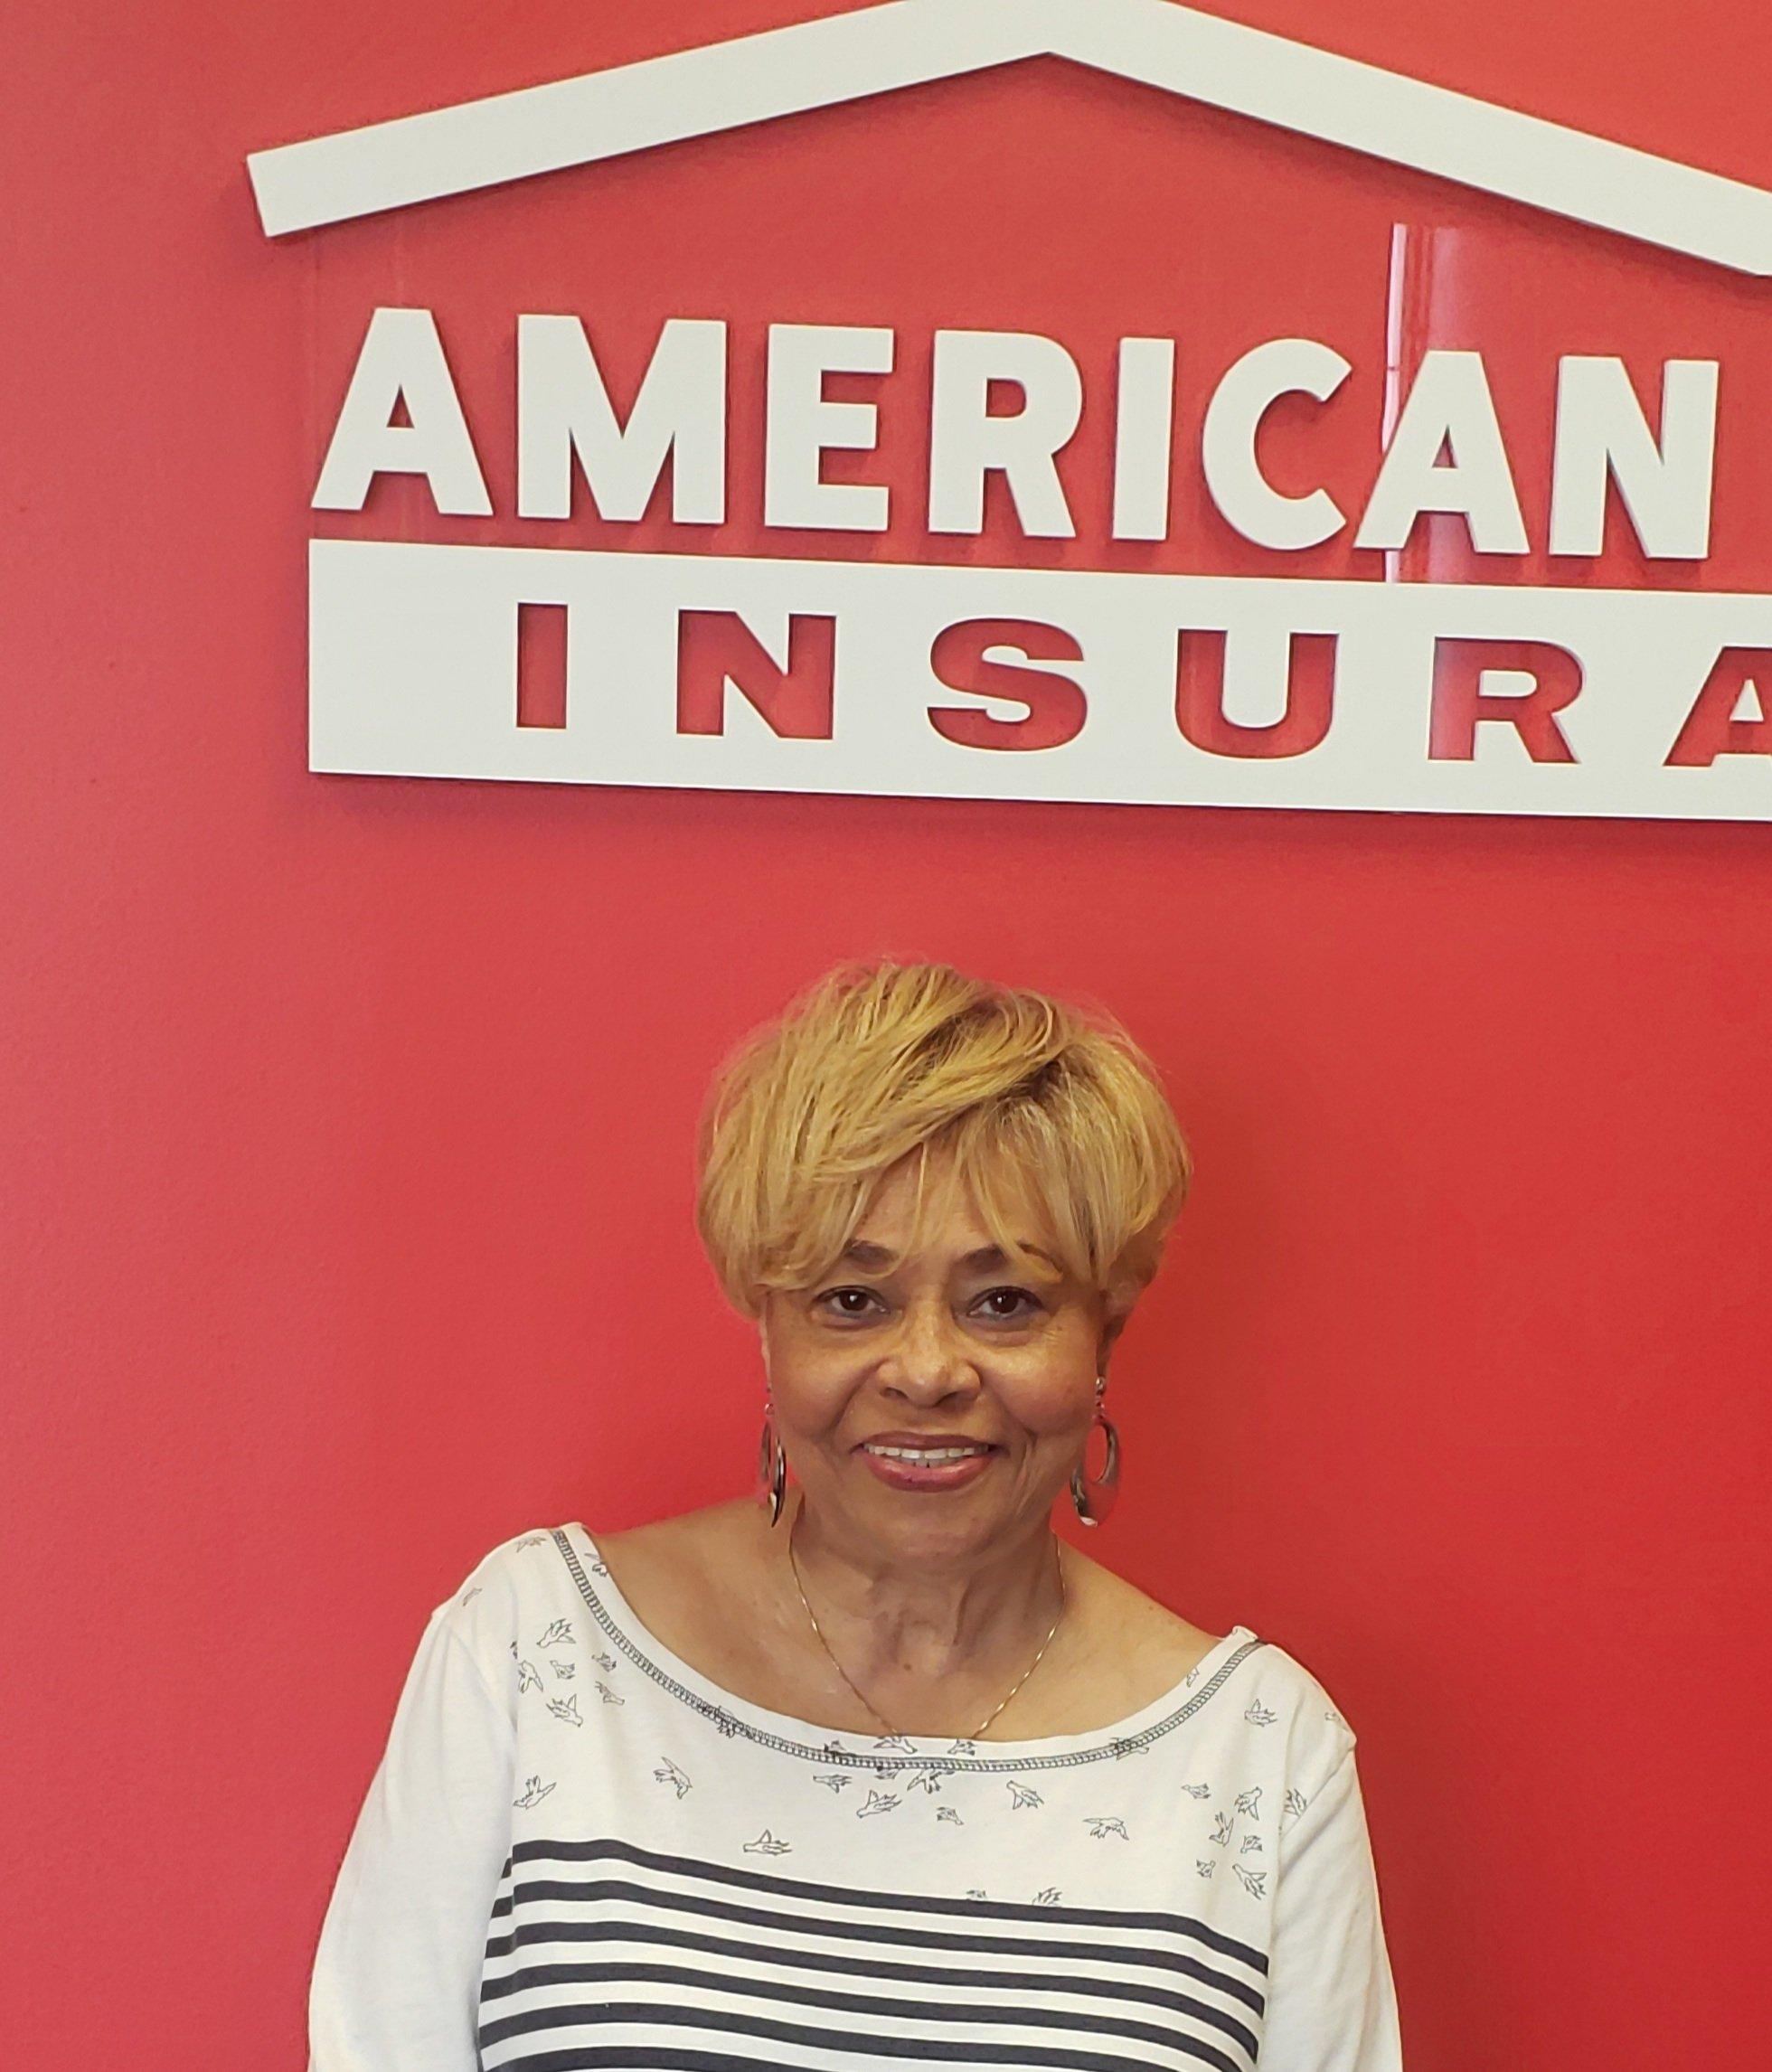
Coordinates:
(929, 1360)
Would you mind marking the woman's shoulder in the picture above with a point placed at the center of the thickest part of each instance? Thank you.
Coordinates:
(508, 1565)
(1128, 1647)
(539, 1570)
(1276, 1695)
(524, 1582)
(1281, 1685)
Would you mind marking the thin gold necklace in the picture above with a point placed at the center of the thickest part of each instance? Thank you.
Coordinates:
(792, 1563)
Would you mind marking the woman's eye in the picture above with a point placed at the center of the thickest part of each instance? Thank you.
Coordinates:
(847, 1302)
(1007, 1305)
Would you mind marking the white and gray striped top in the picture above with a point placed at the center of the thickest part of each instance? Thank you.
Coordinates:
(579, 1852)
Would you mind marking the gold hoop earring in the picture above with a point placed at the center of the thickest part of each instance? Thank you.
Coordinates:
(771, 1465)
(1096, 1496)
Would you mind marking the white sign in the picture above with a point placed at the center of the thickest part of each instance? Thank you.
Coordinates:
(869, 677)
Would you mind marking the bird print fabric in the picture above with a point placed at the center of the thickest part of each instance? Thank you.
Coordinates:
(669, 1875)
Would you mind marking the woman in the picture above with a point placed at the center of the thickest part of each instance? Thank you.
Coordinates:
(880, 1769)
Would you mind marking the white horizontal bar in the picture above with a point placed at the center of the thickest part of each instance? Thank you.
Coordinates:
(906, 43)
(414, 662)
(633, 107)
(1407, 122)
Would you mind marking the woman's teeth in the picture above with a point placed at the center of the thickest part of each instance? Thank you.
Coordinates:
(924, 1455)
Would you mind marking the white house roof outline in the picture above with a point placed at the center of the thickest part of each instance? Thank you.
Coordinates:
(878, 49)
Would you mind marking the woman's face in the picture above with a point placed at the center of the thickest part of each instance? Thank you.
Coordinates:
(901, 1352)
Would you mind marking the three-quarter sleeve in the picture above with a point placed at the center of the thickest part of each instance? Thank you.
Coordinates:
(1332, 2005)
(397, 1970)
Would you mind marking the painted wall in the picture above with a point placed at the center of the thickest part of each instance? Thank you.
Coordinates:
(348, 1121)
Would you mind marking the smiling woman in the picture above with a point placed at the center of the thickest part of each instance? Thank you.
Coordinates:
(939, 1200)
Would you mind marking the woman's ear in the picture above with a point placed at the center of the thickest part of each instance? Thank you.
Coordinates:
(1116, 1308)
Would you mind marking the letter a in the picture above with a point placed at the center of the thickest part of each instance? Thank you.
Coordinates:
(403, 361)
(1712, 728)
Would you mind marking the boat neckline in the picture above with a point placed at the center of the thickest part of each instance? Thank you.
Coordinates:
(664, 1666)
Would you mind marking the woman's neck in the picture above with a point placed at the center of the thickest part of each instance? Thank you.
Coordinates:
(897, 1620)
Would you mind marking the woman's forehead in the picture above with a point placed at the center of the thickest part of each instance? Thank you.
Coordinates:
(949, 1219)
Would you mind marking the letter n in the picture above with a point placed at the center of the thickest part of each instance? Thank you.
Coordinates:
(1310, 697)
(1712, 727)
(1460, 702)
(715, 648)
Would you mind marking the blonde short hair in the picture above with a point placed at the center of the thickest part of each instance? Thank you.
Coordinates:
(1035, 1105)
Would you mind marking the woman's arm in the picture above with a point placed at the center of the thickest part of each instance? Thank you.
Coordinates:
(397, 1973)
(1331, 2006)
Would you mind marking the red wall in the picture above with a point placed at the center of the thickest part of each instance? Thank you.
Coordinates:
(348, 1121)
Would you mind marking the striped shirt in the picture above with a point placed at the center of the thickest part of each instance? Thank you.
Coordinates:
(577, 1851)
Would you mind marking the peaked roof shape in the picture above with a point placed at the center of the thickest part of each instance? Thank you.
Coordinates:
(878, 49)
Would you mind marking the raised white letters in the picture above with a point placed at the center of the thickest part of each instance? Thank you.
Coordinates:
(1449, 406)
(802, 426)
(402, 361)
(564, 410)
(1144, 435)
(967, 441)
(1247, 500)
(1007, 403)
(1601, 431)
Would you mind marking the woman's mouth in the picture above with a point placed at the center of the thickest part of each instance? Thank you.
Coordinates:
(903, 1463)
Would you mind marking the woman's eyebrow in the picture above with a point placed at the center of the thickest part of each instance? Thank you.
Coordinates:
(989, 1258)
(863, 1253)
(986, 1258)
